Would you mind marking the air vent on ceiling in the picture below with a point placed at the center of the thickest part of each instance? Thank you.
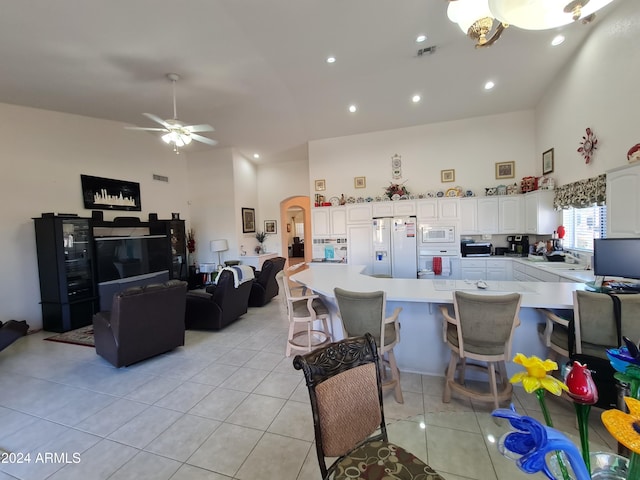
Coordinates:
(161, 178)
(427, 50)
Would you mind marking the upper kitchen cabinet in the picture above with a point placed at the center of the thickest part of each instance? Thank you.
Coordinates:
(328, 221)
(539, 216)
(623, 202)
(479, 215)
(439, 209)
(359, 213)
(394, 209)
(510, 213)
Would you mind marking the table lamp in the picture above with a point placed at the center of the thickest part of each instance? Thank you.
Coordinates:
(218, 246)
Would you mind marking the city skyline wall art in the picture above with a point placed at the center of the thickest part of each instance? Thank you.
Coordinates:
(109, 194)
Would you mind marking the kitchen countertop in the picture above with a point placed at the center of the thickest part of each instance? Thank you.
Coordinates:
(350, 277)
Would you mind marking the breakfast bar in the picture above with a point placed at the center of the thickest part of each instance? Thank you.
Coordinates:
(421, 349)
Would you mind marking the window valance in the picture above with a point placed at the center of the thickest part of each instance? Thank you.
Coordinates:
(581, 194)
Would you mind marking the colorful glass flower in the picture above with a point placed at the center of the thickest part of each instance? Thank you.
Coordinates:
(536, 375)
(581, 387)
(625, 427)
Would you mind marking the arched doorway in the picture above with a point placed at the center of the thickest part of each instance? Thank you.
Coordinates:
(291, 210)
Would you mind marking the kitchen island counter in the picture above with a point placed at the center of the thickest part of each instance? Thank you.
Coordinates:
(421, 348)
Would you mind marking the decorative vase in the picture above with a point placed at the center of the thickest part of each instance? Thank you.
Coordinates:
(604, 466)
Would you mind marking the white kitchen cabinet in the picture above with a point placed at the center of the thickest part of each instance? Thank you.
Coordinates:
(539, 216)
(473, 269)
(328, 221)
(359, 213)
(623, 202)
(404, 208)
(382, 209)
(488, 215)
(469, 216)
(360, 245)
(438, 209)
(499, 269)
(510, 213)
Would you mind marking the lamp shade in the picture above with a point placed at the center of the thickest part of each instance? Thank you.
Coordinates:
(218, 245)
(466, 12)
(539, 14)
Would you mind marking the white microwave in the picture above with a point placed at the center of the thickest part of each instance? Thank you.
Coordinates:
(438, 234)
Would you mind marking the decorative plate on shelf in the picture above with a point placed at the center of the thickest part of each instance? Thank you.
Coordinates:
(395, 197)
(386, 199)
(360, 200)
(431, 194)
(469, 193)
(368, 199)
(404, 197)
(378, 199)
(351, 200)
(451, 192)
(440, 194)
(334, 201)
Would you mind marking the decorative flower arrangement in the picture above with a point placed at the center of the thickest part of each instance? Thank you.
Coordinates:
(261, 236)
(191, 240)
(531, 440)
(396, 189)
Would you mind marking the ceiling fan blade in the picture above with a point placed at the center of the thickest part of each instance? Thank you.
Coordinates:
(202, 139)
(147, 129)
(199, 128)
(156, 119)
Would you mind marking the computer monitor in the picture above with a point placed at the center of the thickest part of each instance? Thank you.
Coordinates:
(616, 257)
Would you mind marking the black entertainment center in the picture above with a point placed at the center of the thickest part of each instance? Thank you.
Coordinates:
(83, 262)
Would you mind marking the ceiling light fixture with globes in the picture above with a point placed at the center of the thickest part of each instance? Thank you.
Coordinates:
(476, 17)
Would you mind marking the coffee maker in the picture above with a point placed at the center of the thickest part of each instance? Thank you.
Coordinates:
(518, 245)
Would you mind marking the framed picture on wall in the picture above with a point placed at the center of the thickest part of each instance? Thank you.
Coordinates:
(248, 220)
(359, 182)
(505, 170)
(320, 185)
(288, 228)
(448, 175)
(270, 226)
(547, 161)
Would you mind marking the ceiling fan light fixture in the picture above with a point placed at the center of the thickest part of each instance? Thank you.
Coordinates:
(543, 14)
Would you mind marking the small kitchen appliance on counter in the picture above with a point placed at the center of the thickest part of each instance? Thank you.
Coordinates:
(518, 245)
(476, 249)
(501, 251)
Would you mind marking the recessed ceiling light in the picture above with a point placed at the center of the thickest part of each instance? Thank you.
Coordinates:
(353, 108)
(557, 40)
(421, 38)
(489, 85)
(416, 98)
(256, 155)
(331, 59)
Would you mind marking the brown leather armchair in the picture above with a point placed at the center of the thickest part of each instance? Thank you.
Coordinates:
(219, 305)
(265, 286)
(143, 322)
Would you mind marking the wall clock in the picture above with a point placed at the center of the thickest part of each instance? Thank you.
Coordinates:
(587, 146)
(396, 166)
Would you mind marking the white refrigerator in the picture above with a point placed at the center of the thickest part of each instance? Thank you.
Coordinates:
(394, 247)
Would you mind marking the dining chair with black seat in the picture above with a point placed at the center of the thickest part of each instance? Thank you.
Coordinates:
(481, 330)
(345, 390)
(365, 312)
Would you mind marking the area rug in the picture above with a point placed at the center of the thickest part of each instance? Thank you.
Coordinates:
(79, 336)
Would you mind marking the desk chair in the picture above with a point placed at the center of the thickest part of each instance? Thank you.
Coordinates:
(345, 390)
(481, 330)
(364, 312)
(305, 310)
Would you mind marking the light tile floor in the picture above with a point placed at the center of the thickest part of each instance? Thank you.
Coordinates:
(227, 405)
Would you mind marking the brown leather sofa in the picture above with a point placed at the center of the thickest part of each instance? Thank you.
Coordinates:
(265, 286)
(219, 305)
(143, 322)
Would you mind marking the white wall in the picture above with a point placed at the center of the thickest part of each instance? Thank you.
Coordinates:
(43, 155)
(470, 146)
(598, 89)
(245, 180)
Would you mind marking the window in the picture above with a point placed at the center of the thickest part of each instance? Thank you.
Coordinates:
(582, 225)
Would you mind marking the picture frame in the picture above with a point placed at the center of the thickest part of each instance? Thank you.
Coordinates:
(547, 161)
(248, 220)
(505, 170)
(288, 228)
(448, 175)
(109, 194)
(320, 185)
(359, 182)
(270, 226)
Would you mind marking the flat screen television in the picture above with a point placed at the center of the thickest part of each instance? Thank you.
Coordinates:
(616, 257)
(125, 257)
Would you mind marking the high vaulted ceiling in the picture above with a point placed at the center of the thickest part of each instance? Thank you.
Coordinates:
(256, 69)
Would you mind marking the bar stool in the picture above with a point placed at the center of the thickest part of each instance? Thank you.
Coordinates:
(482, 330)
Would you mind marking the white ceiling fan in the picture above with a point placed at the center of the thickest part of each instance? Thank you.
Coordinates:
(176, 132)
